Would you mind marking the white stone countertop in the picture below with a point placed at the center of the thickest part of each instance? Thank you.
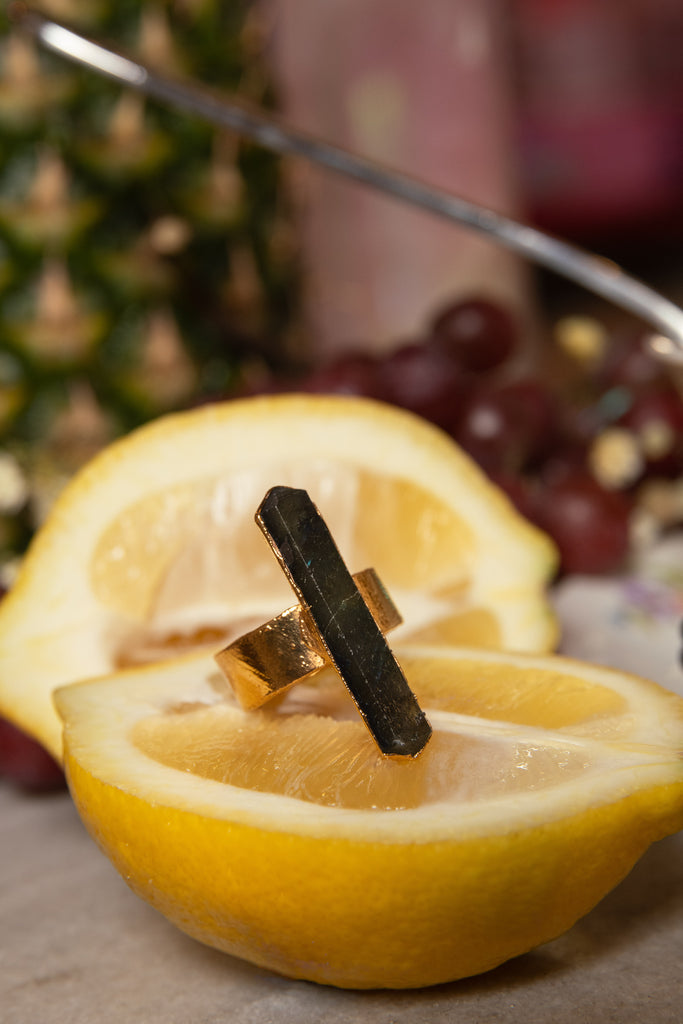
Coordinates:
(77, 947)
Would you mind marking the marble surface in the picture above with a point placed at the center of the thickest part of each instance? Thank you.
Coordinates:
(632, 622)
(77, 946)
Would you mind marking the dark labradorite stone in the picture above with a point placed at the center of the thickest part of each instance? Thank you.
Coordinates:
(357, 647)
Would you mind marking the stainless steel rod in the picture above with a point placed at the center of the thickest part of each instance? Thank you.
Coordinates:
(594, 273)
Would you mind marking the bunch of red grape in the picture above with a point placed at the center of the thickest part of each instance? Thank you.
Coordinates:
(573, 445)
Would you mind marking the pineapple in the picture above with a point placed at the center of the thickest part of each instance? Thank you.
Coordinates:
(142, 253)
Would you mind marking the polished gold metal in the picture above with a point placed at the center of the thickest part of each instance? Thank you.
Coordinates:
(287, 649)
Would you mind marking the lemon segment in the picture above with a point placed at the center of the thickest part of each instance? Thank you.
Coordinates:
(281, 836)
(152, 548)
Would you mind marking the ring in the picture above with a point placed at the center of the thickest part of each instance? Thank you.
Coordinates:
(287, 649)
(340, 620)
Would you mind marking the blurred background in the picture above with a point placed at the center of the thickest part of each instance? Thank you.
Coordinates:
(149, 262)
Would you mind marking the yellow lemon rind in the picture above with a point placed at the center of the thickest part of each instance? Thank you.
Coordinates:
(371, 915)
(366, 899)
(52, 631)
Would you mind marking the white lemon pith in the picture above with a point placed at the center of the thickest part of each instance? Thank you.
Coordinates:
(283, 837)
(153, 547)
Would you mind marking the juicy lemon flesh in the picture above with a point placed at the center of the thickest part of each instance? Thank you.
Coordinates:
(282, 837)
(313, 746)
(191, 566)
(152, 549)
(336, 764)
(422, 544)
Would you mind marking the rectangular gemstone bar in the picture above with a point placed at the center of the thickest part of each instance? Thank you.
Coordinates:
(311, 560)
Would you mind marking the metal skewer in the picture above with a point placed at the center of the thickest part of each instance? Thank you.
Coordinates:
(594, 273)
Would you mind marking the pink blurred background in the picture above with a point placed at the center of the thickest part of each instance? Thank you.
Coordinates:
(565, 112)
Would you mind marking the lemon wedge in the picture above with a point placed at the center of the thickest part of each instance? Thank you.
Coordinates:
(283, 837)
(152, 548)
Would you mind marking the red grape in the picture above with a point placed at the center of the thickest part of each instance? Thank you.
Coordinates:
(422, 378)
(26, 763)
(521, 490)
(509, 427)
(568, 458)
(656, 417)
(629, 362)
(477, 333)
(589, 524)
(354, 374)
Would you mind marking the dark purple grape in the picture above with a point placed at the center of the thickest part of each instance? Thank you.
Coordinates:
(25, 763)
(521, 490)
(354, 374)
(655, 416)
(421, 378)
(629, 363)
(565, 460)
(507, 428)
(589, 524)
(477, 333)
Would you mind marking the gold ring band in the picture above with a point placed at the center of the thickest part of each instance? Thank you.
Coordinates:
(287, 649)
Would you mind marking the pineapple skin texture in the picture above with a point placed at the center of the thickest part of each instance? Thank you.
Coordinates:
(140, 250)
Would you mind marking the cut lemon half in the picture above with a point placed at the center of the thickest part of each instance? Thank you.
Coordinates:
(153, 548)
(283, 837)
